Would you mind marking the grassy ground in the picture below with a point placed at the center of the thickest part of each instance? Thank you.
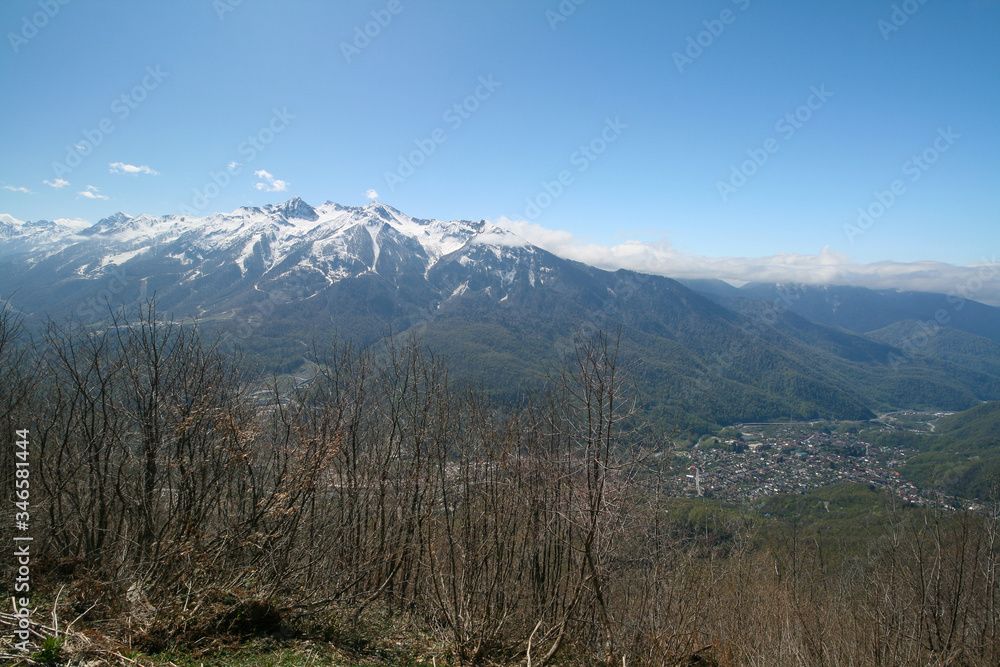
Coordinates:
(294, 654)
(244, 653)
(378, 639)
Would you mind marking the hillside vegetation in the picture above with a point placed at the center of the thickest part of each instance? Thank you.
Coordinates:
(384, 514)
(962, 457)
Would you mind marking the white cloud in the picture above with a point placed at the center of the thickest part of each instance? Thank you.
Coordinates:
(122, 168)
(979, 282)
(270, 183)
(371, 194)
(234, 165)
(91, 193)
(18, 188)
(58, 183)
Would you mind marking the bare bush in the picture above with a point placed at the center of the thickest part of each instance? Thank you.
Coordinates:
(190, 497)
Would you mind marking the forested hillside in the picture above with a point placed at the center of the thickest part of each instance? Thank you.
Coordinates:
(962, 457)
(179, 499)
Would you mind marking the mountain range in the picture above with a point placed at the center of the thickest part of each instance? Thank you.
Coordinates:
(281, 280)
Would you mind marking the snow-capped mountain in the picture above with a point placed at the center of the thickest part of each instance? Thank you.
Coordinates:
(277, 279)
(268, 242)
(25, 236)
(288, 252)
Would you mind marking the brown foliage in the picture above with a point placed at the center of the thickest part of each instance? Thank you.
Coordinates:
(180, 498)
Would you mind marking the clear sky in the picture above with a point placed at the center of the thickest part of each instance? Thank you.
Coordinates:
(713, 129)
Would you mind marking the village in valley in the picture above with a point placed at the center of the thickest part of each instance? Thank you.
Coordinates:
(745, 462)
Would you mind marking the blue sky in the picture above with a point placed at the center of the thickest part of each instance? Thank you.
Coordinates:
(708, 129)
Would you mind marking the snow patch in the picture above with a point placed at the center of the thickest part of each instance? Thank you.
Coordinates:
(121, 258)
(245, 255)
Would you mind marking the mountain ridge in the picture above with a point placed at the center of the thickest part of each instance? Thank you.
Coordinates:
(279, 278)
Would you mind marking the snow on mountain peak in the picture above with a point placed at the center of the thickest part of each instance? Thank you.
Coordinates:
(112, 223)
(118, 218)
(268, 241)
(294, 208)
(492, 234)
(39, 231)
(9, 226)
